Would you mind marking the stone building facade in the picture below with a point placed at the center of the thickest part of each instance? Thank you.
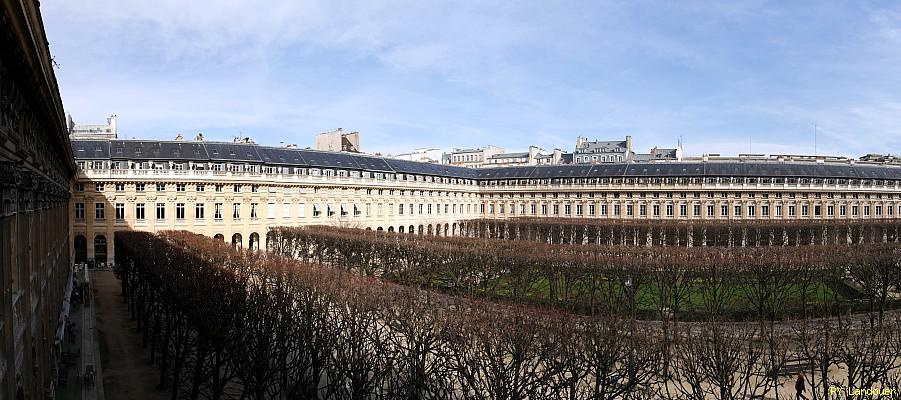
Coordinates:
(36, 168)
(236, 192)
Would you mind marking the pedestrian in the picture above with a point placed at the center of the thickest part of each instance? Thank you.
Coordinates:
(800, 387)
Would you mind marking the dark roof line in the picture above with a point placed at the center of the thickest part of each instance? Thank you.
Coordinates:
(252, 153)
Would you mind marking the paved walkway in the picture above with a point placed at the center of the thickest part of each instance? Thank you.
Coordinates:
(84, 350)
(92, 389)
(127, 372)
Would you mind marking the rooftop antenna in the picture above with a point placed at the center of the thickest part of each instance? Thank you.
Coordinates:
(814, 138)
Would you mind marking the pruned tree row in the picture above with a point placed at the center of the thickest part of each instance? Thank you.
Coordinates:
(220, 324)
(687, 233)
(697, 283)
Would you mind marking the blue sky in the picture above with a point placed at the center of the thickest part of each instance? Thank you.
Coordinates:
(467, 74)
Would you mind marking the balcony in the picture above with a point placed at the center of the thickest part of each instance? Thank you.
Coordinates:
(254, 177)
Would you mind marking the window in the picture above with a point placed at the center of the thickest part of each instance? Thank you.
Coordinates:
(270, 210)
(669, 210)
(254, 188)
(160, 187)
(120, 211)
(139, 187)
(724, 211)
(737, 211)
(567, 209)
(253, 210)
(120, 187)
(778, 210)
(683, 210)
(160, 211)
(656, 209)
(830, 210)
(79, 210)
(237, 188)
(219, 188)
(643, 210)
(590, 209)
(179, 187)
(180, 211)
(544, 209)
(139, 211)
(630, 210)
(556, 209)
(199, 188)
(236, 211)
(316, 210)
(198, 211)
(79, 187)
(791, 211)
(99, 211)
(765, 211)
(99, 187)
(217, 211)
(710, 211)
(805, 211)
(400, 209)
(752, 211)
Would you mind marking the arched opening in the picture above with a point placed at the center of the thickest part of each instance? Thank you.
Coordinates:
(379, 229)
(237, 242)
(454, 229)
(421, 229)
(400, 229)
(81, 249)
(429, 230)
(254, 243)
(99, 250)
(368, 228)
(446, 230)
(219, 237)
(390, 229)
(412, 229)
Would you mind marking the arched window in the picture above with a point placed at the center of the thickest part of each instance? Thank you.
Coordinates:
(254, 243)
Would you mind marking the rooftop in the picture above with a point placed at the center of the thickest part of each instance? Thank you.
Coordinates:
(252, 153)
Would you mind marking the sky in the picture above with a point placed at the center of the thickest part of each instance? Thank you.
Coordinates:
(726, 77)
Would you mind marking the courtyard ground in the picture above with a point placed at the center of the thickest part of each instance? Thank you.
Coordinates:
(127, 373)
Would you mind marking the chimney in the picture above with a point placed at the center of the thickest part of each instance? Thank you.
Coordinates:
(114, 129)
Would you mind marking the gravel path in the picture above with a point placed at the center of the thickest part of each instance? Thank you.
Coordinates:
(127, 373)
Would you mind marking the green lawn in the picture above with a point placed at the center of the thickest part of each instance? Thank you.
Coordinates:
(606, 293)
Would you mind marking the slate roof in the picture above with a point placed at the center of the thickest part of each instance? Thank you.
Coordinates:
(252, 153)
(511, 155)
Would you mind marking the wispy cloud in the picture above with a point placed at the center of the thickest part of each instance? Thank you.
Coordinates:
(441, 74)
